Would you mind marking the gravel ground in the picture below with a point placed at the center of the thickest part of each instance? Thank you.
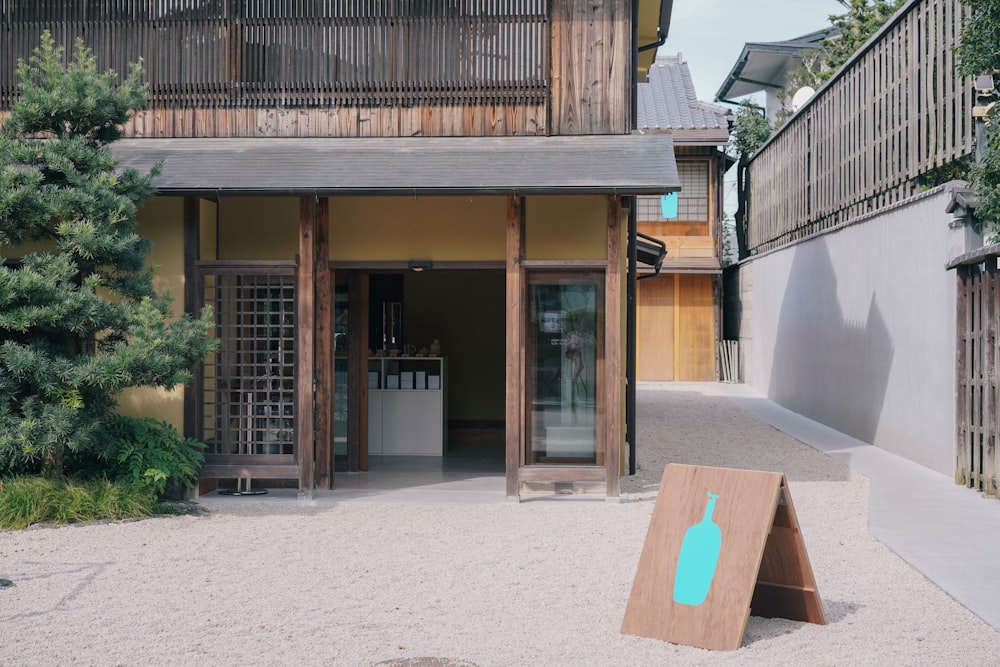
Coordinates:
(536, 583)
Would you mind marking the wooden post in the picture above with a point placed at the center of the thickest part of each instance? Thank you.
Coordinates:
(194, 390)
(357, 372)
(961, 377)
(305, 279)
(325, 386)
(613, 349)
(988, 374)
(515, 342)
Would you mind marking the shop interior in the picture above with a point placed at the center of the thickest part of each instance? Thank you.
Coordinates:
(436, 371)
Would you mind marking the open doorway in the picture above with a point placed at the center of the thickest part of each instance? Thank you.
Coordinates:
(436, 372)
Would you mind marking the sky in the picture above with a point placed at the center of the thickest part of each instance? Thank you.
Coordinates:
(711, 33)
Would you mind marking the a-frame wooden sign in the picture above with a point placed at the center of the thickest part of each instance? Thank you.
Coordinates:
(721, 543)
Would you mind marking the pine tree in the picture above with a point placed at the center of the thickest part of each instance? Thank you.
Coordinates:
(79, 319)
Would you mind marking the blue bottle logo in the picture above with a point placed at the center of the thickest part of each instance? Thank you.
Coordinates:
(698, 558)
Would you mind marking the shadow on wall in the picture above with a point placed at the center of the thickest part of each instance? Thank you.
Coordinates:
(825, 367)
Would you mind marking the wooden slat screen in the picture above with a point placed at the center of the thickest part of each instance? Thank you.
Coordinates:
(977, 456)
(300, 53)
(895, 112)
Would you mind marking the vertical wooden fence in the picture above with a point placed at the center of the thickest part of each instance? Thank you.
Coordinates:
(891, 116)
(977, 423)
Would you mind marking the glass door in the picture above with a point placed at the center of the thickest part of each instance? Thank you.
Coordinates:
(564, 360)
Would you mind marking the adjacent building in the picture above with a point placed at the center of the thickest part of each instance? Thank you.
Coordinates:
(679, 320)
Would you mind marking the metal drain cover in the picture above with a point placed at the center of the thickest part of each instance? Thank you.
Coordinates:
(6, 583)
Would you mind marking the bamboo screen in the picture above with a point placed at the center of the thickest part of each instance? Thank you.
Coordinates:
(869, 138)
(298, 53)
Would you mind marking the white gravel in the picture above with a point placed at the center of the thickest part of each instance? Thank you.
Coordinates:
(536, 583)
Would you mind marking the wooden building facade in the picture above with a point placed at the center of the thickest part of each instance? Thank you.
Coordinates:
(679, 310)
(423, 201)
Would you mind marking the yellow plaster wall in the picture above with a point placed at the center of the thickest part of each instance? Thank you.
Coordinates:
(380, 229)
(561, 227)
(161, 220)
(403, 228)
(258, 227)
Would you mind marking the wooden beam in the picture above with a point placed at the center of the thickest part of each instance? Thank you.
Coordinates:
(357, 372)
(613, 349)
(515, 342)
(304, 343)
(562, 473)
(325, 386)
(193, 390)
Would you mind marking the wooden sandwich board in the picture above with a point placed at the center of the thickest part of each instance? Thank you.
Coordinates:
(697, 584)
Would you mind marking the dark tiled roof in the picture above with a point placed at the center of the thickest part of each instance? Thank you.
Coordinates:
(668, 102)
(606, 164)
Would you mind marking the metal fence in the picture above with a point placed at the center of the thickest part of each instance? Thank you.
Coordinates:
(872, 135)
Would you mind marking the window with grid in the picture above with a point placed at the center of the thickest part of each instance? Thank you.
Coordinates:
(692, 204)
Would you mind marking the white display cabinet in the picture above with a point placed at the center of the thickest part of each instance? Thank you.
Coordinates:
(407, 406)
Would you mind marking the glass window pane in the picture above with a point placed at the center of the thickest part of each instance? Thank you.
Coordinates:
(564, 353)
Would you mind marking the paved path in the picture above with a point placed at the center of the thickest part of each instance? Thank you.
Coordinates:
(949, 533)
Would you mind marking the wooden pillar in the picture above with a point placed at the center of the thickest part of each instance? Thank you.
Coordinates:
(961, 378)
(357, 372)
(194, 390)
(613, 349)
(304, 343)
(990, 312)
(515, 342)
(325, 386)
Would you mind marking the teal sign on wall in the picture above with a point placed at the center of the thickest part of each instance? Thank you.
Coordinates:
(698, 558)
(668, 206)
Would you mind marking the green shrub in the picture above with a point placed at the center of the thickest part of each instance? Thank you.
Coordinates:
(153, 455)
(28, 500)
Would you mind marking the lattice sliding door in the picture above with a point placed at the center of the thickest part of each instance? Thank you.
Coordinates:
(248, 409)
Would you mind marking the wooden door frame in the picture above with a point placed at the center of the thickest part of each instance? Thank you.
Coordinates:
(612, 432)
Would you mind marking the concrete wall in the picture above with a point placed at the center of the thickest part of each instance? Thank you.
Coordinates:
(855, 327)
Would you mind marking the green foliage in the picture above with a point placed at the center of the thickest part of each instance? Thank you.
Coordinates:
(979, 48)
(152, 455)
(847, 33)
(750, 130)
(79, 320)
(979, 53)
(28, 500)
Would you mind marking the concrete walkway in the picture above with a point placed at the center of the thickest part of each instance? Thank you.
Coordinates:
(949, 533)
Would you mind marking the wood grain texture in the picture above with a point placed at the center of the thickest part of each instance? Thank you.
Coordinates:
(745, 513)
(515, 343)
(325, 385)
(304, 345)
(613, 374)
